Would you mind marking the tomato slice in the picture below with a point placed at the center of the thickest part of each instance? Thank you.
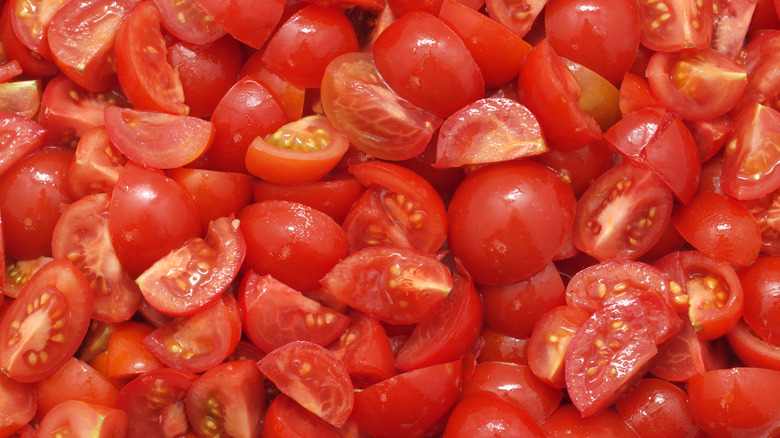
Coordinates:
(158, 140)
(187, 21)
(78, 418)
(228, 398)
(194, 275)
(549, 341)
(489, 130)
(365, 350)
(623, 213)
(679, 25)
(615, 347)
(23, 137)
(44, 326)
(81, 236)
(388, 409)
(312, 376)
(275, 314)
(397, 285)
(17, 404)
(155, 403)
(399, 208)
(298, 152)
(81, 37)
(362, 106)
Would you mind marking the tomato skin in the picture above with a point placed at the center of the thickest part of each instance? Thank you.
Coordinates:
(486, 415)
(76, 380)
(580, 31)
(14, 49)
(150, 215)
(654, 407)
(285, 418)
(294, 243)
(246, 20)
(761, 289)
(751, 349)
(736, 402)
(491, 226)
(24, 137)
(567, 422)
(408, 404)
(365, 350)
(581, 166)
(418, 49)
(502, 348)
(85, 419)
(519, 17)
(128, 357)
(96, 164)
(17, 403)
(189, 22)
(701, 221)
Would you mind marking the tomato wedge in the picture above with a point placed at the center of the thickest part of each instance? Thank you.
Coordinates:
(23, 137)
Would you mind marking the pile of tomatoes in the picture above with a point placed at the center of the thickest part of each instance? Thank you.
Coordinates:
(390, 218)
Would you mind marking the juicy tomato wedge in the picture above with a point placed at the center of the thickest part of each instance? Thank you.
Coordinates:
(13, 48)
(362, 106)
(680, 25)
(712, 288)
(81, 38)
(549, 341)
(142, 67)
(365, 350)
(489, 130)
(614, 348)
(81, 236)
(30, 22)
(228, 398)
(24, 136)
(448, 333)
(635, 94)
(17, 404)
(732, 20)
(397, 285)
(696, 85)
(386, 408)
(736, 401)
(275, 314)
(701, 223)
(44, 326)
(398, 208)
(96, 164)
(194, 275)
(547, 87)
(78, 418)
(158, 140)
(517, 15)
(155, 403)
(312, 376)
(187, 21)
(623, 213)
(298, 152)
(200, 341)
(404, 54)
(20, 97)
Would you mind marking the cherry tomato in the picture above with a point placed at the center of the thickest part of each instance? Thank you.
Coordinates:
(762, 291)
(365, 350)
(751, 349)
(128, 357)
(549, 341)
(18, 403)
(654, 407)
(678, 25)
(187, 21)
(517, 15)
(481, 415)
(246, 20)
(24, 136)
(567, 422)
(76, 380)
(86, 419)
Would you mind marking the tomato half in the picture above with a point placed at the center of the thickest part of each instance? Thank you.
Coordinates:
(44, 326)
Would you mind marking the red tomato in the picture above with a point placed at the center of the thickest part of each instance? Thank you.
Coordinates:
(581, 166)
(398, 285)
(286, 418)
(713, 290)
(189, 22)
(248, 110)
(679, 25)
(498, 51)
(20, 97)
(711, 135)
(291, 97)
(408, 404)
(365, 350)
(760, 57)
(502, 348)
(655, 407)
(307, 42)
(246, 20)
(377, 121)
(96, 164)
(615, 347)
(228, 398)
(761, 289)
(736, 402)
(155, 403)
(17, 404)
(18, 272)
(312, 376)
(599, 98)
(485, 415)
(489, 130)
(128, 357)
(294, 243)
(582, 31)
(502, 209)
(275, 314)
(687, 354)
(416, 51)
(142, 67)
(623, 213)
(186, 279)
(81, 236)
(517, 15)
(30, 22)
(704, 221)
(76, 380)
(764, 210)
(206, 71)
(513, 309)
(149, 216)
(696, 85)
(68, 111)
(24, 137)
(751, 349)
(16, 43)
(549, 341)
(44, 326)
(398, 208)
(78, 418)
(730, 25)
(750, 158)
(299, 152)
(448, 333)
(635, 94)
(149, 137)
(567, 422)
